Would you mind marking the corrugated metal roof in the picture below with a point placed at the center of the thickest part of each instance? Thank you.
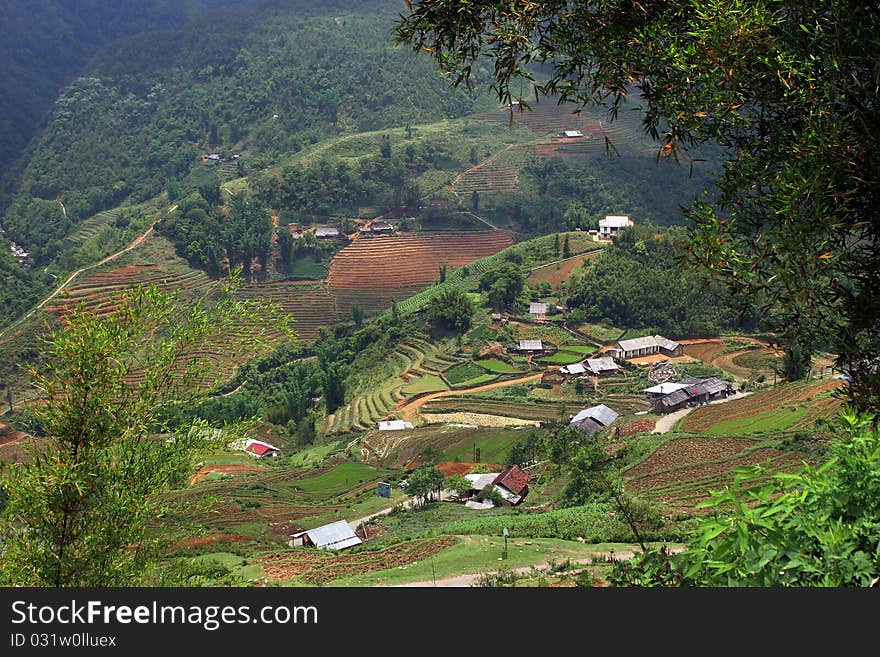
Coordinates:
(601, 413)
(335, 536)
(575, 368)
(615, 221)
(538, 308)
(675, 398)
(481, 480)
(601, 364)
(665, 388)
(645, 342)
(514, 479)
(394, 425)
(666, 343)
(326, 231)
(531, 345)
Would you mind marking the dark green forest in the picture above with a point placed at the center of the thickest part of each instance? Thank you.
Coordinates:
(45, 43)
(642, 281)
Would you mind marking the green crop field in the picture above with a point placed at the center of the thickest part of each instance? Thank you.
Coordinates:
(562, 358)
(337, 480)
(498, 365)
(427, 383)
(462, 372)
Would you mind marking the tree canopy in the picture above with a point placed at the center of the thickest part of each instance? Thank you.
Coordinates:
(788, 89)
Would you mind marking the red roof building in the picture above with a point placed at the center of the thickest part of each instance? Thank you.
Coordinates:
(515, 480)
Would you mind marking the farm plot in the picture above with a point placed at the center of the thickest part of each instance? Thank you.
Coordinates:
(97, 293)
(494, 364)
(530, 410)
(310, 303)
(400, 265)
(397, 449)
(786, 407)
(682, 472)
(496, 175)
(557, 272)
(319, 567)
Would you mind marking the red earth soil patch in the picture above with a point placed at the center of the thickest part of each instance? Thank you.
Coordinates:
(284, 528)
(637, 426)
(320, 567)
(450, 468)
(409, 260)
(230, 470)
(556, 273)
(202, 541)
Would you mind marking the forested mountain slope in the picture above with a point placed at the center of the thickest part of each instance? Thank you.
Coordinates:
(44, 44)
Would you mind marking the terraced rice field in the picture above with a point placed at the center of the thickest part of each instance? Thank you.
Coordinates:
(310, 303)
(371, 272)
(409, 366)
(90, 227)
(531, 410)
(739, 362)
(788, 406)
(682, 472)
(498, 174)
(97, 290)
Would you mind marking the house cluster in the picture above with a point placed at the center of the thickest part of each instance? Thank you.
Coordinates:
(216, 157)
(593, 419)
(19, 254)
(611, 224)
(646, 346)
(668, 397)
(511, 485)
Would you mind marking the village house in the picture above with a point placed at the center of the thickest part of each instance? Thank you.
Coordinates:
(647, 346)
(324, 232)
(575, 369)
(609, 226)
(379, 228)
(259, 449)
(529, 347)
(670, 397)
(593, 419)
(538, 311)
(601, 366)
(571, 134)
(335, 536)
(394, 425)
(512, 485)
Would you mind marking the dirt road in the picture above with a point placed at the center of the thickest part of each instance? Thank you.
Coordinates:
(469, 580)
(407, 410)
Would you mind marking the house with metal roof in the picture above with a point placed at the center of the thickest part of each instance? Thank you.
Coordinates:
(572, 134)
(593, 419)
(662, 389)
(574, 369)
(647, 346)
(512, 484)
(335, 536)
(689, 392)
(326, 231)
(531, 346)
(601, 366)
(612, 223)
(539, 310)
(394, 425)
(259, 449)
